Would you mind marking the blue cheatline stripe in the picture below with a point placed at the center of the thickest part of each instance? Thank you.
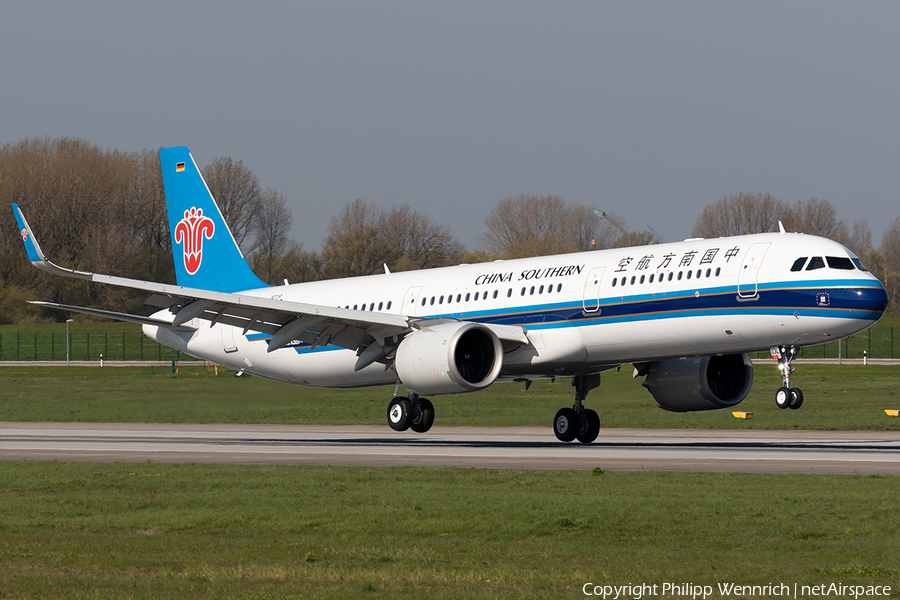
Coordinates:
(864, 302)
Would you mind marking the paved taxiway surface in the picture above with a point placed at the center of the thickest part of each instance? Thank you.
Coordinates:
(486, 447)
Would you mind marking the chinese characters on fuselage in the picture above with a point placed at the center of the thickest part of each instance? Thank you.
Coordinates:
(650, 261)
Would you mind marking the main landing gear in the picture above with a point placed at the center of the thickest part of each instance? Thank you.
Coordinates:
(786, 396)
(410, 413)
(578, 423)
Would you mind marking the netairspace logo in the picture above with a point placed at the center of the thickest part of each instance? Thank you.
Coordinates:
(725, 590)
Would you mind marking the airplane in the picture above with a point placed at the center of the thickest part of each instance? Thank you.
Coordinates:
(684, 314)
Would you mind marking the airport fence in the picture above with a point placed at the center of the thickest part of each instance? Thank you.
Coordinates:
(876, 342)
(84, 346)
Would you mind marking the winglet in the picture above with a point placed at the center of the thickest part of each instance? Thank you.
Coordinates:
(35, 254)
(31, 246)
(781, 228)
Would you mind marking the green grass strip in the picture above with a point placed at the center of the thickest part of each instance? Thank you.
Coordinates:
(836, 398)
(88, 530)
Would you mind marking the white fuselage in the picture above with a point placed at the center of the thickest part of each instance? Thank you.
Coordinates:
(583, 312)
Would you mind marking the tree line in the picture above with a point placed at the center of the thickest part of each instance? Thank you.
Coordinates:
(104, 211)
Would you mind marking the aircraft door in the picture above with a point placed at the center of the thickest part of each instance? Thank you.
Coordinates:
(411, 301)
(749, 275)
(591, 297)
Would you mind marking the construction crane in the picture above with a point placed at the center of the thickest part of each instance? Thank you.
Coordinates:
(656, 237)
(616, 228)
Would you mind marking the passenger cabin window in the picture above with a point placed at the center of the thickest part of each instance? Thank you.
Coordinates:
(495, 294)
(798, 264)
(840, 262)
(815, 262)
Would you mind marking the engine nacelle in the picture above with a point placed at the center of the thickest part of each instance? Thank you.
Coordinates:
(449, 358)
(705, 383)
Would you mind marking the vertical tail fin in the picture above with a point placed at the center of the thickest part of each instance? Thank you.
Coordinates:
(206, 255)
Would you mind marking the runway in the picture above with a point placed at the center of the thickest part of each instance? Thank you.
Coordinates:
(746, 451)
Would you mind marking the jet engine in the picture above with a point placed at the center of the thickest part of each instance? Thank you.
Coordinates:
(449, 358)
(705, 383)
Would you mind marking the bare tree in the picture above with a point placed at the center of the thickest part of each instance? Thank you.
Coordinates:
(890, 254)
(740, 214)
(422, 243)
(238, 194)
(298, 265)
(272, 229)
(364, 237)
(73, 190)
(815, 217)
(353, 246)
(635, 238)
(529, 225)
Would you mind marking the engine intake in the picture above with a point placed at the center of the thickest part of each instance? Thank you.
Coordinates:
(449, 358)
(705, 383)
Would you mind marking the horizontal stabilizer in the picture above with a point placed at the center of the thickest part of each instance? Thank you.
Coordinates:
(115, 315)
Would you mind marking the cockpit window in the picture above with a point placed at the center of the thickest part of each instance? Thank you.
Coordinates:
(815, 262)
(840, 262)
(798, 264)
(859, 264)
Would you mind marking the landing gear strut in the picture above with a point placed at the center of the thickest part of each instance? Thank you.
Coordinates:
(410, 413)
(786, 396)
(578, 422)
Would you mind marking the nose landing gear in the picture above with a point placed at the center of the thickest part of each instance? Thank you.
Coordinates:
(786, 396)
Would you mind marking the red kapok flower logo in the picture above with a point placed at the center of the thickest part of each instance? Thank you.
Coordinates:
(190, 232)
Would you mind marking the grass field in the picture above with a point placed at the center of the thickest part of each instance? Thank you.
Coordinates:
(836, 397)
(92, 530)
(84, 530)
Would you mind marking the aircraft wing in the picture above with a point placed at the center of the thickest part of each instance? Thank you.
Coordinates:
(286, 321)
(373, 336)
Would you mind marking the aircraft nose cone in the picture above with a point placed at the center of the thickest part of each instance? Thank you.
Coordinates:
(870, 299)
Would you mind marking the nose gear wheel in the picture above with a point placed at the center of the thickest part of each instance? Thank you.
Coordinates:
(786, 396)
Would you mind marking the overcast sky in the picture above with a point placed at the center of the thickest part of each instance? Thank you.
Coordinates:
(650, 110)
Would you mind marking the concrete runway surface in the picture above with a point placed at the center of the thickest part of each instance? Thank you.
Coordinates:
(740, 451)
